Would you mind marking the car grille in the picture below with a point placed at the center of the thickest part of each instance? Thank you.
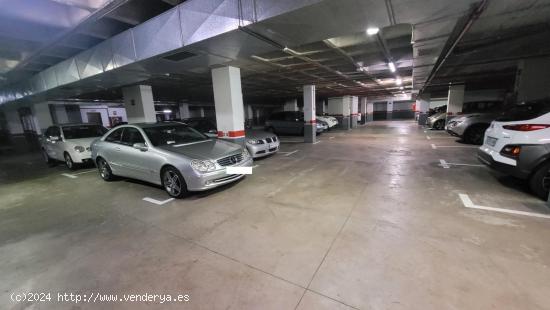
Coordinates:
(272, 139)
(230, 160)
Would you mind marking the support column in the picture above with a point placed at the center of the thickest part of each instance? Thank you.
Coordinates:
(42, 117)
(339, 107)
(291, 105)
(532, 79)
(363, 110)
(455, 101)
(422, 107)
(310, 128)
(258, 114)
(228, 100)
(354, 105)
(320, 107)
(184, 110)
(202, 111)
(370, 111)
(249, 115)
(138, 101)
(389, 110)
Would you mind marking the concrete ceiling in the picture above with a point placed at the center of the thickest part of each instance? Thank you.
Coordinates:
(282, 45)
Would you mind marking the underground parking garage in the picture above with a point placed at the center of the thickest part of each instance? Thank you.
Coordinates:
(261, 154)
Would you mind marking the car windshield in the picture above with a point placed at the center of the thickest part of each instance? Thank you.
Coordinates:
(525, 111)
(173, 134)
(83, 131)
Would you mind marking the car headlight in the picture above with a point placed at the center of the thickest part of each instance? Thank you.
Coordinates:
(251, 141)
(79, 148)
(245, 153)
(203, 165)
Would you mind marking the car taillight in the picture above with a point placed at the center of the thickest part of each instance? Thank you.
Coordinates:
(511, 151)
(526, 127)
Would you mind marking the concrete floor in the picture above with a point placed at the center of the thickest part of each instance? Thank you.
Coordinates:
(366, 219)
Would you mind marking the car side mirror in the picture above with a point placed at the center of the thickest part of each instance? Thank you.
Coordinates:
(140, 146)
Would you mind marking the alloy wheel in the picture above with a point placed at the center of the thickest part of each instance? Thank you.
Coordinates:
(172, 183)
(68, 161)
(103, 170)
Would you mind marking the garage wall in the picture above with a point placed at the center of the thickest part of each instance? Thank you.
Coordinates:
(380, 111)
(403, 110)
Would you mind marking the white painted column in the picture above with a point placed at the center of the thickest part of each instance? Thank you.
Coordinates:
(291, 105)
(42, 117)
(389, 110)
(202, 111)
(370, 111)
(310, 129)
(363, 110)
(422, 107)
(228, 100)
(249, 115)
(339, 107)
(184, 110)
(138, 101)
(354, 105)
(455, 101)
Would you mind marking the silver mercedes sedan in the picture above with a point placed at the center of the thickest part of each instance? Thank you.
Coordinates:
(170, 154)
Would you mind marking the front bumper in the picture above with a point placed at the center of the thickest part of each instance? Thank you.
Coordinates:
(81, 158)
(488, 160)
(261, 150)
(206, 181)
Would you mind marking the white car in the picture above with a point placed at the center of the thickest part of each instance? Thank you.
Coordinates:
(329, 120)
(518, 143)
(70, 143)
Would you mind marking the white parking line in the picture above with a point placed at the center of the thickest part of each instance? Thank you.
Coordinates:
(87, 171)
(316, 142)
(433, 146)
(463, 146)
(447, 165)
(255, 166)
(428, 137)
(467, 202)
(74, 175)
(288, 153)
(69, 175)
(330, 138)
(157, 202)
(444, 164)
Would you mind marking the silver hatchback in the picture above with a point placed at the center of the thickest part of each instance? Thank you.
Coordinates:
(172, 154)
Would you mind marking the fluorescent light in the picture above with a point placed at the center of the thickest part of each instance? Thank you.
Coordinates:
(401, 88)
(398, 81)
(167, 111)
(391, 65)
(372, 31)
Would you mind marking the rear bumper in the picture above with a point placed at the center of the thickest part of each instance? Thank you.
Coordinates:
(515, 171)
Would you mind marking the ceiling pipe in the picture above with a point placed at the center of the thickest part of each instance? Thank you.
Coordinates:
(448, 49)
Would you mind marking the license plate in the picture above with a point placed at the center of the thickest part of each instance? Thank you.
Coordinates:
(491, 141)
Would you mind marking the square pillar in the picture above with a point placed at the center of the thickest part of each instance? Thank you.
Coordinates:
(228, 101)
(370, 111)
(310, 128)
(455, 101)
(354, 105)
(363, 110)
(138, 101)
(184, 110)
(389, 110)
(291, 105)
(202, 111)
(422, 107)
(339, 107)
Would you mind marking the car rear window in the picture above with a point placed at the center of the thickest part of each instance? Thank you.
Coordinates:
(525, 111)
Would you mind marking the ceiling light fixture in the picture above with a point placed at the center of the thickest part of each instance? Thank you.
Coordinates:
(372, 31)
(167, 111)
(391, 65)
(398, 81)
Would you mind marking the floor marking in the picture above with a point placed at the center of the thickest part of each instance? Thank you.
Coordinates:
(433, 146)
(289, 153)
(330, 138)
(465, 146)
(87, 171)
(317, 142)
(157, 202)
(469, 165)
(428, 137)
(444, 164)
(69, 175)
(467, 202)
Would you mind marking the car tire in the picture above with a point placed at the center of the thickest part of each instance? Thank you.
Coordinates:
(105, 171)
(173, 182)
(69, 162)
(475, 134)
(47, 159)
(439, 125)
(540, 181)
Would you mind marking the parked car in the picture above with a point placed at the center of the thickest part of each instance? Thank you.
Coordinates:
(331, 121)
(261, 143)
(517, 143)
(437, 121)
(170, 154)
(70, 143)
(472, 125)
(258, 143)
(436, 110)
(289, 123)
